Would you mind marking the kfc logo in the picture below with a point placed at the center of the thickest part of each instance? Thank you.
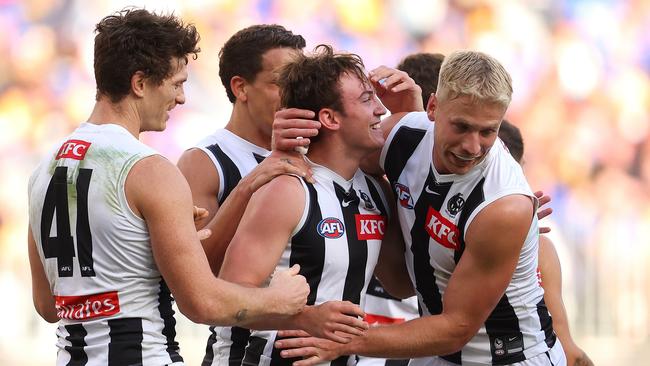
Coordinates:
(370, 226)
(330, 228)
(404, 195)
(73, 149)
(443, 231)
(375, 319)
(87, 306)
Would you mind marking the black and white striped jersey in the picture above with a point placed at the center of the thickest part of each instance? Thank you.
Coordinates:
(233, 158)
(114, 306)
(336, 244)
(435, 211)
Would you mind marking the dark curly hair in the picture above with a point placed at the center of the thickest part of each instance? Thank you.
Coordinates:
(133, 40)
(424, 69)
(242, 54)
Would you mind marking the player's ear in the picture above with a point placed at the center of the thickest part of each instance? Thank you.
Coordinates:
(329, 119)
(432, 104)
(138, 80)
(238, 88)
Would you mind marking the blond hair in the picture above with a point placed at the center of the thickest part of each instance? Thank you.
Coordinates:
(474, 74)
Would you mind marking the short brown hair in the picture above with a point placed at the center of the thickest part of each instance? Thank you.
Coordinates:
(424, 69)
(133, 40)
(313, 81)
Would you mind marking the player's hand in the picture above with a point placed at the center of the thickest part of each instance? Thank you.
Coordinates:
(199, 213)
(312, 350)
(577, 357)
(291, 123)
(335, 320)
(289, 290)
(396, 90)
(542, 213)
(278, 163)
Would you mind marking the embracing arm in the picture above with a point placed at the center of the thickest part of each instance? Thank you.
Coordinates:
(223, 220)
(41, 294)
(549, 266)
(493, 242)
(157, 192)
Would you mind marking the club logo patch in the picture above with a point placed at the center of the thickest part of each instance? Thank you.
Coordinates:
(404, 196)
(455, 204)
(367, 201)
(330, 228)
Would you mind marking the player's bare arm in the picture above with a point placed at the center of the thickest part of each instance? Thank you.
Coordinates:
(264, 231)
(41, 294)
(227, 217)
(167, 209)
(551, 271)
(493, 242)
(391, 265)
(202, 176)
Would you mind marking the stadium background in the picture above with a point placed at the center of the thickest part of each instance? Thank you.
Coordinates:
(582, 100)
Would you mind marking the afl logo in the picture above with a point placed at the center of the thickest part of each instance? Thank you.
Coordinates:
(330, 228)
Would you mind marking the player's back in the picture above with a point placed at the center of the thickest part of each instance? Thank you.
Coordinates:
(114, 307)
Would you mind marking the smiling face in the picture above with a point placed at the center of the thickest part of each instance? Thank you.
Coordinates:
(361, 114)
(465, 130)
(160, 99)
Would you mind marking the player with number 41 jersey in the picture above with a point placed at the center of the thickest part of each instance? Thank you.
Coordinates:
(109, 295)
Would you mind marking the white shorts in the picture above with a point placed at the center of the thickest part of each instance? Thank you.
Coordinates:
(553, 357)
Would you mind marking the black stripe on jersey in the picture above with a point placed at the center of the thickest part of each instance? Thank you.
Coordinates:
(308, 248)
(404, 142)
(376, 289)
(475, 198)
(254, 351)
(397, 362)
(547, 323)
(84, 236)
(209, 352)
(239, 337)
(357, 249)
(506, 340)
(169, 328)
(78, 356)
(231, 175)
(374, 193)
(259, 158)
(425, 281)
(432, 196)
(125, 347)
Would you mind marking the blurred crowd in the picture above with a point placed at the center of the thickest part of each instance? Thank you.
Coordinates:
(581, 72)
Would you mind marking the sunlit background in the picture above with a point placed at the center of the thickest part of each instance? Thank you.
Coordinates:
(582, 98)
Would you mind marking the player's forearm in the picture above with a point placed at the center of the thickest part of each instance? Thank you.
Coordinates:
(427, 336)
(224, 225)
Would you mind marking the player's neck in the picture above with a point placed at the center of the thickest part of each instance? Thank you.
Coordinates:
(334, 157)
(242, 125)
(121, 114)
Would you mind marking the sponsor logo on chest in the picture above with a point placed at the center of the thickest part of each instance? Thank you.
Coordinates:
(443, 231)
(86, 307)
(370, 226)
(73, 149)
